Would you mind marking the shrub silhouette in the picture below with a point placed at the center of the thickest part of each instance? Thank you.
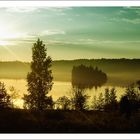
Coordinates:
(14, 95)
(98, 103)
(4, 97)
(63, 103)
(138, 84)
(110, 99)
(39, 79)
(106, 101)
(125, 106)
(79, 99)
(130, 102)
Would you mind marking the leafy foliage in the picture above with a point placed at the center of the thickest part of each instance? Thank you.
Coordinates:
(14, 95)
(79, 99)
(39, 79)
(130, 101)
(106, 101)
(4, 97)
(110, 99)
(63, 103)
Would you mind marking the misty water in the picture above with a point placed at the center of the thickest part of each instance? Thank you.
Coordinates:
(59, 89)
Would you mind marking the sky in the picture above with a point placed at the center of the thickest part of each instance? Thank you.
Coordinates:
(70, 32)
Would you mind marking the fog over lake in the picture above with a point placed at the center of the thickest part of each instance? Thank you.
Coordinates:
(59, 89)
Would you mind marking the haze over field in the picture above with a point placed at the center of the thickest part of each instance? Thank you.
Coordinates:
(121, 72)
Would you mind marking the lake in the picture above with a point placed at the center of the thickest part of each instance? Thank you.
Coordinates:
(59, 89)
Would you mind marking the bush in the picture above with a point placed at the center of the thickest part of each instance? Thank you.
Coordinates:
(106, 101)
(79, 99)
(4, 97)
(63, 103)
(130, 102)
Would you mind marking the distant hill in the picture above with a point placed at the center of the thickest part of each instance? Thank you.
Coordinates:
(119, 71)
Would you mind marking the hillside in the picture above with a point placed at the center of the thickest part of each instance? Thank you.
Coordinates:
(119, 71)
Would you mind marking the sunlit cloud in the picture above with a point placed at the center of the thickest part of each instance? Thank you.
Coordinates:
(36, 9)
(133, 21)
(15, 35)
(127, 20)
(22, 9)
(6, 43)
(52, 32)
(89, 41)
(59, 9)
(122, 12)
(100, 42)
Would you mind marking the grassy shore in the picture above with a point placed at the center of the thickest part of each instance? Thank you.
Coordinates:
(59, 121)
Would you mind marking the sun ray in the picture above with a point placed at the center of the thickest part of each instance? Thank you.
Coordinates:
(10, 51)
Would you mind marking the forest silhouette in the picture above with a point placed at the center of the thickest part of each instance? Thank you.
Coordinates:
(69, 114)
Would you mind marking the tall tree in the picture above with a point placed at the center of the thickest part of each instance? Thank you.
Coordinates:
(39, 79)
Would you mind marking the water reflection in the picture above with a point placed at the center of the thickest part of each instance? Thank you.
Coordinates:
(59, 89)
